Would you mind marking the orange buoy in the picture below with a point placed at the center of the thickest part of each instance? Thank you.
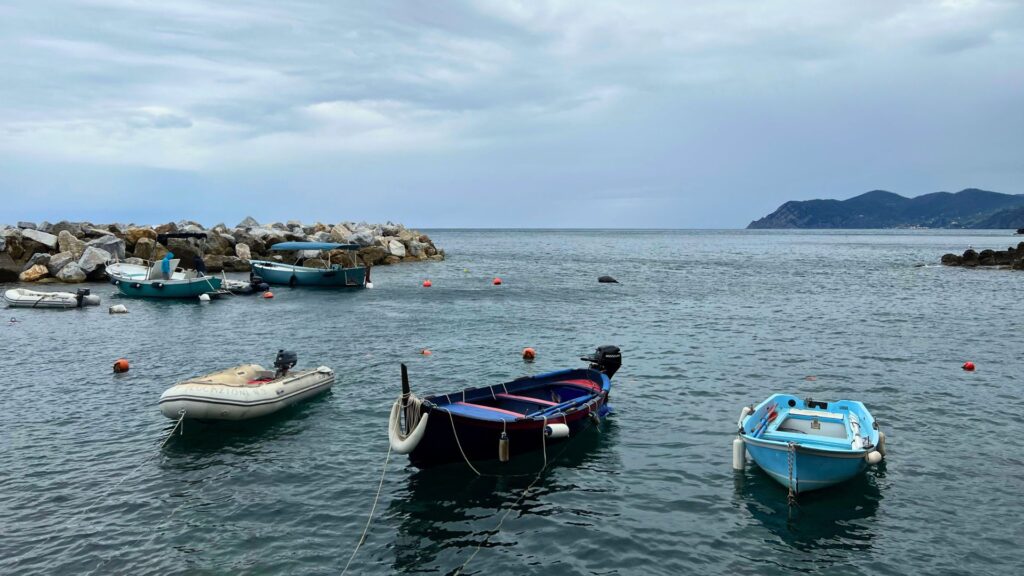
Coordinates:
(427, 284)
(497, 282)
(529, 354)
(426, 352)
(969, 366)
(268, 294)
(120, 366)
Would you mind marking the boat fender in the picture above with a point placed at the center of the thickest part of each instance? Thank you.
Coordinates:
(743, 414)
(118, 309)
(324, 370)
(873, 457)
(204, 297)
(881, 443)
(503, 447)
(739, 450)
(404, 443)
(556, 431)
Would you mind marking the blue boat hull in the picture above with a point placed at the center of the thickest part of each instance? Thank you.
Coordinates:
(806, 445)
(289, 275)
(811, 471)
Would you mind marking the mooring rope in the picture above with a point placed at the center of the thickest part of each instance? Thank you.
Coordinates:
(103, 496)
(540, 474)
(369, 519)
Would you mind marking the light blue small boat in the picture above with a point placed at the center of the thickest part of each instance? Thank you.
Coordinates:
(293, 275)
(806, 445)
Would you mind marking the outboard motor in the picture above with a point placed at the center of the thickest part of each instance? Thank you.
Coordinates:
(84, 298)
(284, 362)
(605, 359)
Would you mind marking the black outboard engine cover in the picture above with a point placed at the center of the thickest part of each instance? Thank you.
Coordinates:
(606, 359)
(80, 295)
(284, 362)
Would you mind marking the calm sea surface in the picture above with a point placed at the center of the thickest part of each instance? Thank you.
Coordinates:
(707, 321)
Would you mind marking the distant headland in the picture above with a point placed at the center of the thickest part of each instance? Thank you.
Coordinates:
(969, 208)
(78, 251)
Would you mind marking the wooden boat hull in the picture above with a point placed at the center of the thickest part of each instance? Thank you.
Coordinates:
(290, 275)
(531, 412)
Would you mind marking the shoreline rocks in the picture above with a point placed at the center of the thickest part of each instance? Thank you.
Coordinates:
(1012, 258)
(78, 251)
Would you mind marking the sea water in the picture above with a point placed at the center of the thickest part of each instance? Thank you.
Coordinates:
(708, 321)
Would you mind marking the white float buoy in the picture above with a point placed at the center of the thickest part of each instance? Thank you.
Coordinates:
(204, 297)
(369, 285)
(873, 457)
(556, 431)
(881, 443)
(118, 309)
(739, 454)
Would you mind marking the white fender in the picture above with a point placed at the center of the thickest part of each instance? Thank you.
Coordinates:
(743, 414)
(408, 443)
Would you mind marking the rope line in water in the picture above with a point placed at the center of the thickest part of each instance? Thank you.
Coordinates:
(103, 496)
(369, 519)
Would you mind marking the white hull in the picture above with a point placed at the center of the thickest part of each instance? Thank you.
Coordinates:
(24, 298)
(230, 395)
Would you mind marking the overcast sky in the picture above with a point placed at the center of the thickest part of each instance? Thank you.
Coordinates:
(695, 114)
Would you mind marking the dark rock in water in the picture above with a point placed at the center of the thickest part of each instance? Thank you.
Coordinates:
(1020, 230)
(607, 280)
(951, 259)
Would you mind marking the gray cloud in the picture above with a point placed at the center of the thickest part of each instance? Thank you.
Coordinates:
(649, 113)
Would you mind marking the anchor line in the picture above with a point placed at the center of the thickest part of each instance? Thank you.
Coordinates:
(107, 492)
(369, 519)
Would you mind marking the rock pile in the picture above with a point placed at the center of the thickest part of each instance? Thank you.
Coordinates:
(78, 251)
(1011, 257)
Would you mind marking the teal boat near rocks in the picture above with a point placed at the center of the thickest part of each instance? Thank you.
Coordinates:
(327, 275)
(161, 279)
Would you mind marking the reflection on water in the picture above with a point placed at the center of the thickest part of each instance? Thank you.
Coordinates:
(827, 519)
(451, 508)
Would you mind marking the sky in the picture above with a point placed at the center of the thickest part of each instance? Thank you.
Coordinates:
(675, 114)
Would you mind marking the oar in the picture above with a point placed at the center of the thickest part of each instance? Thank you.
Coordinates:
(764, 426)
(764, 421)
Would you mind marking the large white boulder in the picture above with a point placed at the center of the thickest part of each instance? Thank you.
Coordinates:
(110, 244)
(92, 259)
(71, 273)
(242, 251)
(249, 222)
(44, 238)
(68, 243)
(361, 237)
(396, 248)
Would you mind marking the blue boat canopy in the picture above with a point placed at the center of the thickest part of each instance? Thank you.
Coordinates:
(313, 246)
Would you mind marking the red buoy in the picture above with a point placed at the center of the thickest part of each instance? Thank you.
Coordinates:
(120, 366)
(497, 282)
(426, 352)
(268, 294)
(969, 366)
(427, 284)
(529, 354)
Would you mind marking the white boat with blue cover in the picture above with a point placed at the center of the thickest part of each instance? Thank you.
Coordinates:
(807, 445)
(329, 275)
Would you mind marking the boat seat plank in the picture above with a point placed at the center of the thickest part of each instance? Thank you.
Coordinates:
(527, 399)
(815, 413)
(471, 410)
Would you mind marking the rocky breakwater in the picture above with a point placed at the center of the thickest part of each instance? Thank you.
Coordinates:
(1009, 258)
(78, 251)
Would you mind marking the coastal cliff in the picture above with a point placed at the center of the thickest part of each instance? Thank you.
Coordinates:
(72, 252)
(969, 208)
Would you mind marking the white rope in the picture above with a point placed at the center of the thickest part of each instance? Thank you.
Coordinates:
(362, 538)
(459, 444)
(544, 444)
(103, 496)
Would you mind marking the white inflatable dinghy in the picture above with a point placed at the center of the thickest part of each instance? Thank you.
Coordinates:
(244, 392)
(25, 298)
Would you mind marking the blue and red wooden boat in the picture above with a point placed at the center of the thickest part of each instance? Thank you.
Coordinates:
(502, 420)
